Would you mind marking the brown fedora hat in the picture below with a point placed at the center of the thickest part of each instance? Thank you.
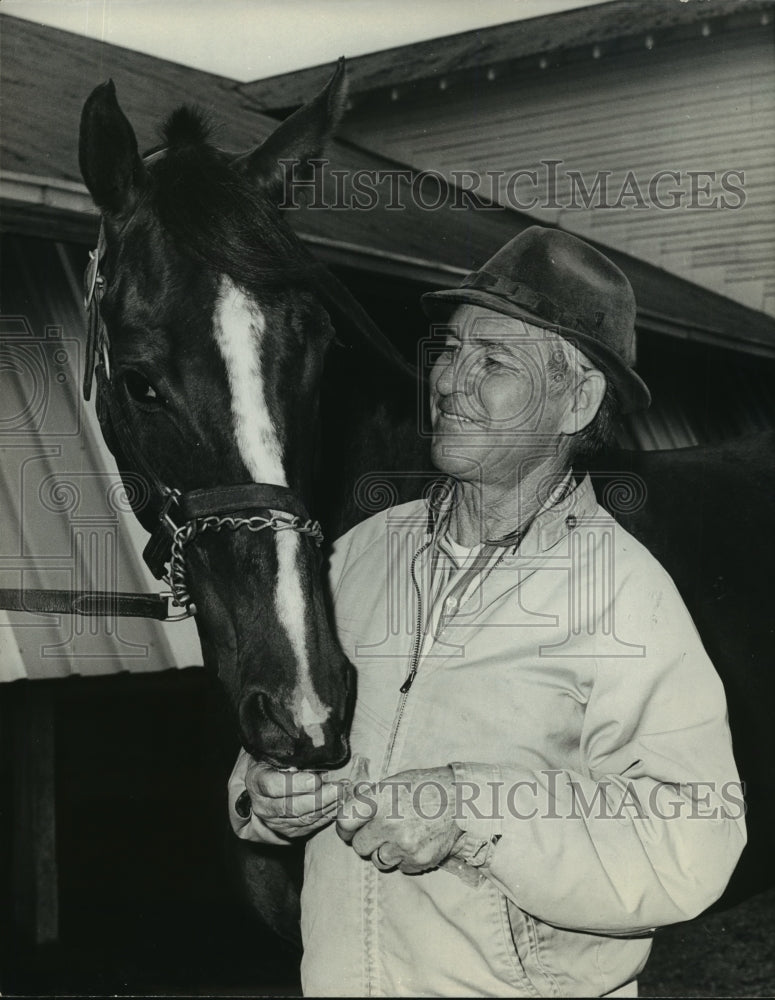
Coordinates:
(554, 280)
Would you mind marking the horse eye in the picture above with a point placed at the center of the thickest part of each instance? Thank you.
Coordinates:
(139, 388)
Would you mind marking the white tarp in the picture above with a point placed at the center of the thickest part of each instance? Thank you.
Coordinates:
(65, 520)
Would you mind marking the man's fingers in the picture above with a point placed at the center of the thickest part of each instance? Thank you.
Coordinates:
(348, 825)
(311, 815)
(386, 859)
(356, 809)
(296, 806)
(325, 798)
(265, 780)
(368, 839)
(300, 823)
(371, 843)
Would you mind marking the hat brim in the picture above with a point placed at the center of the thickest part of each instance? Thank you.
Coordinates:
(632, 392)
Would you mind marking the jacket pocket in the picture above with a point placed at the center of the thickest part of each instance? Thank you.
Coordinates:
(518, 943)
(566, 963)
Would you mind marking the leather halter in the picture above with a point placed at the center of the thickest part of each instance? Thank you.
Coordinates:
(181, 516)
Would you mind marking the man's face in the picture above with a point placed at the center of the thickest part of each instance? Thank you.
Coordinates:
(492, 413)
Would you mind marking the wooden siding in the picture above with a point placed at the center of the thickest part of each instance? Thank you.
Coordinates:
(705, 104)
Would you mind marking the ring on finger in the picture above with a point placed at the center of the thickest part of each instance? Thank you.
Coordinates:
(378, 863)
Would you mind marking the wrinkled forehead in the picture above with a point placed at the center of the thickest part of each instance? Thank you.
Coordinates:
(478, 324)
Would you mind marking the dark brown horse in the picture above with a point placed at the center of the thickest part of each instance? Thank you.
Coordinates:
(209, 326)
(208, 361)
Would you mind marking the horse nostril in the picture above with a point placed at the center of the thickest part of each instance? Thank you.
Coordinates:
(269, 732)
(260, 714)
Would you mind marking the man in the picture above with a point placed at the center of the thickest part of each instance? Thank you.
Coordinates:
(552, 764)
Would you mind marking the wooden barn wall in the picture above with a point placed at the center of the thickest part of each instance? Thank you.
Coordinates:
(700, 395)
(706, 104)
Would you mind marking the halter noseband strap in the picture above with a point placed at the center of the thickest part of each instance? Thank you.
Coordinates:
(230, 499)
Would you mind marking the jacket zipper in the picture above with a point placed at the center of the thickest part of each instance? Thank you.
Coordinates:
(370, 871)
(404, 689)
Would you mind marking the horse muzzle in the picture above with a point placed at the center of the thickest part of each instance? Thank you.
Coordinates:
(285, 733)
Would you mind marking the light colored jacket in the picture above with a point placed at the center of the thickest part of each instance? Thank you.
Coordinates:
(569, 688)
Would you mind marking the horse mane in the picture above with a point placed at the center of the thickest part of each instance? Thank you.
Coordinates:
(218, 214)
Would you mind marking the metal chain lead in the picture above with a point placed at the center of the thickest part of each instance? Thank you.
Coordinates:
(176, 575)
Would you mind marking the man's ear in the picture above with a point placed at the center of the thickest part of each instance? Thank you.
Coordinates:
(584, 401)
(300, 139)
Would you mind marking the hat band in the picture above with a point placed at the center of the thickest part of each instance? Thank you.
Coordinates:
(520, 294)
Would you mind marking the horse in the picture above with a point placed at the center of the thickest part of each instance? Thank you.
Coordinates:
(207, 369)
(209, 323)
(210, 356)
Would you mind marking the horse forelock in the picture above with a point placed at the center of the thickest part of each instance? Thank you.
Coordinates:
(217, 214)
(187, 125)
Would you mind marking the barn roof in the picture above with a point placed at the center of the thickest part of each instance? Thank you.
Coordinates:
(614, 25)
(42, 194)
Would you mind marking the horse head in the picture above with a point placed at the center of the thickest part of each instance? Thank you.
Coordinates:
(209, 356)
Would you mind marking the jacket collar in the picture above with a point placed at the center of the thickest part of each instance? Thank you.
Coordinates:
(575, 502)
(554, 523)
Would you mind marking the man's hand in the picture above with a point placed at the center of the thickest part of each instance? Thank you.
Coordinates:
(408, 818)
(290, 803)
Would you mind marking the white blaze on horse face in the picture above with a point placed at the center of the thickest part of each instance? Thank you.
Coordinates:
(309, 713)
(239, 327)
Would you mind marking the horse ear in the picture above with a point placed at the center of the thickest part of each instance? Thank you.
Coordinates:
(299, 139)
(107, 153)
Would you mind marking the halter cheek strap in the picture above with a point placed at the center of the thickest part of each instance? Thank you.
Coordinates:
(93, 287)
